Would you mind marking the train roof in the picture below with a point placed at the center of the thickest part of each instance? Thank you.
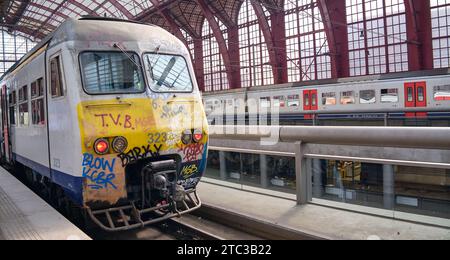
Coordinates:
(103, 29)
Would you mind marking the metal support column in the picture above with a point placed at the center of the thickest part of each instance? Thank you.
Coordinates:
(264, 176)
(223, 166)
(301, 174)
(317, 173)
(388, 186)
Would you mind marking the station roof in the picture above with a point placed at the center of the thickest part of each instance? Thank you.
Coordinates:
(37, 18)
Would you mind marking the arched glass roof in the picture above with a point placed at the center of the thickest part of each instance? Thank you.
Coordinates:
(37, 18)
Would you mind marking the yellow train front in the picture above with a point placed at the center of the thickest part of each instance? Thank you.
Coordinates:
(142, 125)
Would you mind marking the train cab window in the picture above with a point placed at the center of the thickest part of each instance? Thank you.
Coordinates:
(111, 73)
(293, 101)
(367, 97)
(168, 73)
(12, 108)
(264, 102)
(442, 93)
(389, 95)
(347, 98)
(329, 98)
(37, 102)
(56, 81)
(279, 101)
(24, 115)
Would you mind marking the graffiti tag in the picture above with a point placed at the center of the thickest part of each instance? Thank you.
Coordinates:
(99, 171)
(192, 151)
(169, 112)
(138, 153)
(189, 170)
(119, 120)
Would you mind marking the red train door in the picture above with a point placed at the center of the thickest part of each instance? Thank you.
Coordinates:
(416, 96)
(5, 148)
(310, 102)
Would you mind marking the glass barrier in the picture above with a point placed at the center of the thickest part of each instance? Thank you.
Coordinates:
(423, 191)
(262, 171)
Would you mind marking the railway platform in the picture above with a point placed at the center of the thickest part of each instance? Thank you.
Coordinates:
(282, 218)
(25, 216)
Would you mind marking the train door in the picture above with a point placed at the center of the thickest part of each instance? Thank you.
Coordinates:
(310, 102)
(416, 96)
(6, 155)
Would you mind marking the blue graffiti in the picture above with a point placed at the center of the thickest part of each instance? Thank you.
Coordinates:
(95, 170)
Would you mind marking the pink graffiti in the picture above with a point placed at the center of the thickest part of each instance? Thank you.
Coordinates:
(192, 151)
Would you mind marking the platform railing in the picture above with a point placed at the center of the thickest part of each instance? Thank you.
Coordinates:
(404, 146)
(403, 137)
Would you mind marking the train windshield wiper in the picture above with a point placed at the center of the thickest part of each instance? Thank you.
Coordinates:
(127, 55)
(152, 62)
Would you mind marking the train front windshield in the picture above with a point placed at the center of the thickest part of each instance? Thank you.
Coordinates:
(167, 73)
(111, 73)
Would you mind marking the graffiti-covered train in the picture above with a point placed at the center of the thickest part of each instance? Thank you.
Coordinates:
(106, 115)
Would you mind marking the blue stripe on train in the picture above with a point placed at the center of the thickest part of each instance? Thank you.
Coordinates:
(72, 185)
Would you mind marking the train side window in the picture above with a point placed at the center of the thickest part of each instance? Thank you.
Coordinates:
(367, 97)
(313, 99)
(37, 102)
(24, 114)
(264, 102)
(293, 101)
(420, 94)
(442, 93)
(410, 95)
(306, 99)
(347, 98)
(56, 82)
(279, 101)
(329, 98)
(389, 95)
(12, 108)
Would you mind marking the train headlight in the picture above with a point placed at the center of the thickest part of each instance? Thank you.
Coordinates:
(119, 144)
(186, 137)
(198, 136)
(101, 146)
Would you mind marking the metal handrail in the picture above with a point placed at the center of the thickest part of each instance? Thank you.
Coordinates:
(402, 137)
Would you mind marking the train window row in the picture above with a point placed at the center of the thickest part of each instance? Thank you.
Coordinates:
(37, 102)
(415, 92)
(330, 98)
(22, 103)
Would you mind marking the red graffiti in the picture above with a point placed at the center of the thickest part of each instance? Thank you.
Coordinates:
(191, 152)
(113, 120)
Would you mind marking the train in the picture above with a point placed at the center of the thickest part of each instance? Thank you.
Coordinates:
(397, 99)
(105, 115)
